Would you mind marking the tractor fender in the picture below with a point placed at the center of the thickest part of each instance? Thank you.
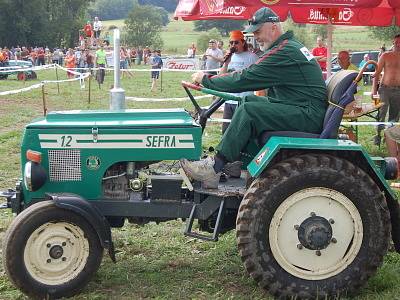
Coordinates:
(90, 213)
(279, 148)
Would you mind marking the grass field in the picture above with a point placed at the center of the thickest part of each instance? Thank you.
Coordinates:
(154, 261)
(157, 261)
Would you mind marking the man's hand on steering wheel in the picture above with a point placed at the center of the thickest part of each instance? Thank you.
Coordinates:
(197, 77)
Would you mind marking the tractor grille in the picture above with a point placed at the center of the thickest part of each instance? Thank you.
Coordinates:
(65, 165)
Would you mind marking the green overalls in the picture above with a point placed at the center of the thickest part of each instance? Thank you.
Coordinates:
(296, 100)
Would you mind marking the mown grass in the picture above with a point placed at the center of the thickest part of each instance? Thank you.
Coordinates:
(153, 261)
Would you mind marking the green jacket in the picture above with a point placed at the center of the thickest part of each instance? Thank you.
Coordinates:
(289, 72)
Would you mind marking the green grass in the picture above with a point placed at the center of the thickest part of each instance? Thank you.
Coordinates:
(153, 261)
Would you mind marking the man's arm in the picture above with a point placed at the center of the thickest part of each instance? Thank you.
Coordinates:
(257, 77)
(377, 74)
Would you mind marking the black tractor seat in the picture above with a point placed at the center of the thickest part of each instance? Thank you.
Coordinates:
(341, 89)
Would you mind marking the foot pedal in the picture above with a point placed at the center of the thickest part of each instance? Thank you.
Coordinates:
(189, 224)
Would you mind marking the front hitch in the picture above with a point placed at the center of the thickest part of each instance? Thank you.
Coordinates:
(14, 199)
(9, 195)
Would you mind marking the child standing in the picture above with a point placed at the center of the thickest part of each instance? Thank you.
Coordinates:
(156, 63)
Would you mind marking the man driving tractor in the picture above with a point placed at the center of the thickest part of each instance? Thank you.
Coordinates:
(296, 99)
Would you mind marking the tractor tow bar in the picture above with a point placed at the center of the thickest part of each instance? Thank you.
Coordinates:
(8, 194)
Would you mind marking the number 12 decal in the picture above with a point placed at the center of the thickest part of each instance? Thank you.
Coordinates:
(66, 141)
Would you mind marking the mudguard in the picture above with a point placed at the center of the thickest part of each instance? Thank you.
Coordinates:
(90, 213)
(341, 148)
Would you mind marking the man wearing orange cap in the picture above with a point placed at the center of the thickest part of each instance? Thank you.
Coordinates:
(238, 58)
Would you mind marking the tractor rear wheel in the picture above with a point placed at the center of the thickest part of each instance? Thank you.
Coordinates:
(21, 76)
(313, 227)
(50, 253)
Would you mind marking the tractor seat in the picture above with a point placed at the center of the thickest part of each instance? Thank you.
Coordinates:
(340, 93)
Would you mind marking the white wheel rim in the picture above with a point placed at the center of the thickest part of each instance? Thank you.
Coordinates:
(54, 270)
(347, 230)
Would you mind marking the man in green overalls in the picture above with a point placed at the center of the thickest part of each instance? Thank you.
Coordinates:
(296, 99)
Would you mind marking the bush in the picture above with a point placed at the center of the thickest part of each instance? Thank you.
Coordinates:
(202, 41)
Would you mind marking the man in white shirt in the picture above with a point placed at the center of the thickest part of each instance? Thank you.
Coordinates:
(213, 57)
(239, 60)
(97, 27)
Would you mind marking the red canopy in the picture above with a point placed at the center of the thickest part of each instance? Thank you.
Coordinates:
(341, 12)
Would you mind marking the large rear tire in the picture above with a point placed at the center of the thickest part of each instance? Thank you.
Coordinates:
(50, 252)
(313, 227)
(21, 76)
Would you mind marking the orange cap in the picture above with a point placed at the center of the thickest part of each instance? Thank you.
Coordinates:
(236, 35)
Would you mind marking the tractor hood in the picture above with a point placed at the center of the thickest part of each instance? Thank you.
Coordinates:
(78, 147)
(124, 118)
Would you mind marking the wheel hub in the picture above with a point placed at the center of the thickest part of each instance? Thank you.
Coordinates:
(56, 252)
(315, 233)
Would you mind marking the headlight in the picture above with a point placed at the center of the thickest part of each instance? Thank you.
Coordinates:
(34, 176)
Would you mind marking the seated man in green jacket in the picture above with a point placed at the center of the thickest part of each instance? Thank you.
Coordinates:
(296, 100)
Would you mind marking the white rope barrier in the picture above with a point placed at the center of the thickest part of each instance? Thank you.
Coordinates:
(32, 87)
(81, 79)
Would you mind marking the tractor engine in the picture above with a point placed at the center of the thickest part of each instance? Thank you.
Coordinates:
(125, 181)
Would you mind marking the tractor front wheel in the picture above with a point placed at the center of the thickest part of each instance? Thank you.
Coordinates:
(313, 227)
(50, 252)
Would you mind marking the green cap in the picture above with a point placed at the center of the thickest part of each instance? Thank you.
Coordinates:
(261, 16)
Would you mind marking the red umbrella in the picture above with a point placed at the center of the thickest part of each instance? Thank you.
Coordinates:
(341, 12)
(337, 12)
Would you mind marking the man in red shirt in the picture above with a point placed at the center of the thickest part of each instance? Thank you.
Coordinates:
(40, 57)
(88, 29)
(320, 53)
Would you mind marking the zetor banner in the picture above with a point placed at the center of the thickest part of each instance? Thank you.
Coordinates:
(181, 63)
(340, 12)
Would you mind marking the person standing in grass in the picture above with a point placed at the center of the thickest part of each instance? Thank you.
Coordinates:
(389, 88)
(88, 33)
(156, 63)
(97, 27)
(70, 62)
(123, 63)
(320, 53)
(101, 63)
(213, 57)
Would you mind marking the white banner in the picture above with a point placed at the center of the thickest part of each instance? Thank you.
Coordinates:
(181, 64)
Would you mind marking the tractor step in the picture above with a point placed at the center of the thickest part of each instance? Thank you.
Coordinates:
(189, 224)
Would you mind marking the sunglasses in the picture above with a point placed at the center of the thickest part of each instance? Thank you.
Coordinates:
(234, 42)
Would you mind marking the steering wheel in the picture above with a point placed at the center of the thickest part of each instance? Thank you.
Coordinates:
(203, 113)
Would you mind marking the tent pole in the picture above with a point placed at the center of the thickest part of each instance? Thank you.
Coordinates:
(329, 47)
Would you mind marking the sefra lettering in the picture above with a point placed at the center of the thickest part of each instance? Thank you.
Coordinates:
(160, 141)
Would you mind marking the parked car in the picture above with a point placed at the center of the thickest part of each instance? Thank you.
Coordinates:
(21, 75)
(355, 58)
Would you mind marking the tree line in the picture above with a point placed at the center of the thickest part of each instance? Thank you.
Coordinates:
(41, 22)
(57, 22)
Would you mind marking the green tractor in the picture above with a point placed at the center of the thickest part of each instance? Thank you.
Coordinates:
(313, 217)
